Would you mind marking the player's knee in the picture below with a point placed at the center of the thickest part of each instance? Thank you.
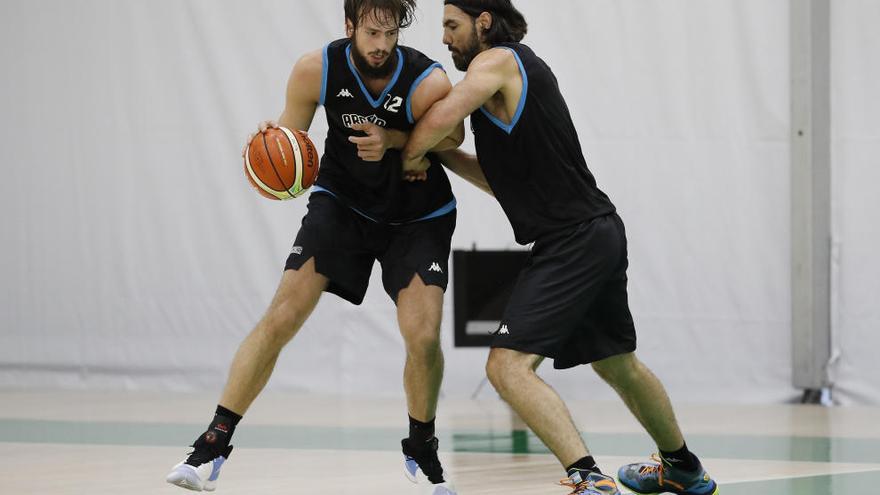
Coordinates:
(494, 373)
(281, 322)
(420, 331)
(501, 370)
(423, 345)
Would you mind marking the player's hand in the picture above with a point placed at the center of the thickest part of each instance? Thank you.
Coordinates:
(372, 147)
(262, 127)
(416, 169)
(266, 125)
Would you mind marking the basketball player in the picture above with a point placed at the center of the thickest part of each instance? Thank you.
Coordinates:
(570, 302)
(360, 211)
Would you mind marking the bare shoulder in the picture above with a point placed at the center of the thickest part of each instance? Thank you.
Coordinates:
(311, 63)
(309, 69)
(499, 60)
(304, 84)
(436, 83)
(433, 88)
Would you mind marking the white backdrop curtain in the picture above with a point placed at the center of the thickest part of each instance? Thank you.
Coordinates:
(855, 202)
(135, 255)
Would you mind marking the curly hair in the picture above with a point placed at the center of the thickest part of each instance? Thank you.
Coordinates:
(358, 10)
(508, 24)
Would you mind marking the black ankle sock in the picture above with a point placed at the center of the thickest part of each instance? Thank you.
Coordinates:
(421, 432)
(584, 464)
(222, 411)
(222, 427)
(682, 459)
(215, 440)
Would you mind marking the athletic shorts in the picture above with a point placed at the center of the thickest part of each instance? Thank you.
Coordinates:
(570, 302)
(345, 245)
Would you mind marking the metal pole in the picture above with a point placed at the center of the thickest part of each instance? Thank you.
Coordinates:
(811, 195)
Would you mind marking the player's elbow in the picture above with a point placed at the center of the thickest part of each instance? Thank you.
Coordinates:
(456, 138)
(437, 125)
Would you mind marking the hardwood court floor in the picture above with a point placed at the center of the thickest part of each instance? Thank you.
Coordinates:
(113, 443)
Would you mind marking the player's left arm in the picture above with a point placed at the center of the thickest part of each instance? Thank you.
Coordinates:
(466, 166)
(486, 76)
(378, 140)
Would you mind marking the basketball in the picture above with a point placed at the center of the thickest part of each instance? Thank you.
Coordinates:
(280, 163)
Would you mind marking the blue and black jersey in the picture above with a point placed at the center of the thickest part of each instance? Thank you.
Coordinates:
(376, 190)
(534, 164)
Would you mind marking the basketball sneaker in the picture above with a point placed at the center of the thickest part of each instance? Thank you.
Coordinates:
(422, 466)
(201, 468)
(590, 483)
(660, 476)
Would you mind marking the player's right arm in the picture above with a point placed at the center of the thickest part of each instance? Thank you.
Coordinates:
(303, 95)
(466, 166)
(303, 92)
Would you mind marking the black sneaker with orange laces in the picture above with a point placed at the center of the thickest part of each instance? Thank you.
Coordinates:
(661, 477)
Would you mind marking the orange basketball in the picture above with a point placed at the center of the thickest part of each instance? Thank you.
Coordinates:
(280, 163)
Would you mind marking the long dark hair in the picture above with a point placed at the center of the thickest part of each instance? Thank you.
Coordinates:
(357, 10)
(508, 24)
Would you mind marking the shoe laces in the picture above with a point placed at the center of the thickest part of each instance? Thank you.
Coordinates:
(581, 487)
(650, 469)
(203, 453)
(577, 487)
(200, 456)
(660, 469)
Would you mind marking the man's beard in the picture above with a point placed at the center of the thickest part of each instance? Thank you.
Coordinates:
(463, 58)
(369, 71)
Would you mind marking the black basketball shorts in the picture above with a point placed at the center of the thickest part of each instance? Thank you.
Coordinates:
(570, 302)
(345, 245)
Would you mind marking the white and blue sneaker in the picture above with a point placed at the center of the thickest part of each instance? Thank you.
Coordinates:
(422, 466)
(200, 470)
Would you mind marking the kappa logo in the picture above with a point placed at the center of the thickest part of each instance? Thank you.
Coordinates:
(345, 93)
(503, 330)
(296, 250)
(435, 267)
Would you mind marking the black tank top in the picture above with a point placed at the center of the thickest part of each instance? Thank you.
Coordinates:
(535, 165)
(376, 190)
